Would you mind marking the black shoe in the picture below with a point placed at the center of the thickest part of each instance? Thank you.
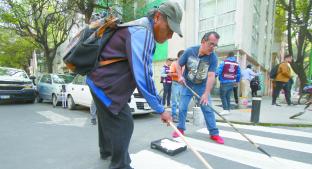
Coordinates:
(93, 121)
(175, 120)
(276, 104)
(104, 156)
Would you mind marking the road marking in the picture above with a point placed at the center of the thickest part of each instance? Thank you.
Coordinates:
(57, 119)
(249, 158)
(149, 160)
(271, 130)
(290, 145)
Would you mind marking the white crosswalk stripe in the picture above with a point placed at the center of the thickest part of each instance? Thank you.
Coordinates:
(236, 154)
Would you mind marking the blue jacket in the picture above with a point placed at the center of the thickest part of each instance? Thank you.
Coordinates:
(113, 84)
(220, 70)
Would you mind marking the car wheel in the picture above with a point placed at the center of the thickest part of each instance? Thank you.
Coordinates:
(71, 103)
(54, 100)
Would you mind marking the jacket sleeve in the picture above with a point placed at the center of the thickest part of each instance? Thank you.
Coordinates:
(220, 69)
(238, 74)
(140, 50)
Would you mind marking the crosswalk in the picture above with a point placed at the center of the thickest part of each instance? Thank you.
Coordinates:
(290, 149)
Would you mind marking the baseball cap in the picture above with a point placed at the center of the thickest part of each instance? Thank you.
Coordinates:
(173, 12)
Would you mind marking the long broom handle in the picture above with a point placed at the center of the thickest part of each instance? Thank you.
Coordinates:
(200, 157)
(228, 122)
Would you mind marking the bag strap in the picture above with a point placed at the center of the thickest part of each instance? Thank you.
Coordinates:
(110, 61)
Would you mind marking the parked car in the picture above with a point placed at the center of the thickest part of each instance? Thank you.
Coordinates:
(50, 87)
(78, 93)
(15, 85)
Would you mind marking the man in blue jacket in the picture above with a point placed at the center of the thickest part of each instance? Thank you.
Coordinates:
(112, 85)
(229, 74)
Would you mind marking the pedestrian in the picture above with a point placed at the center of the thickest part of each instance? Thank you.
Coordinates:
(199, 74)
(229, 74)
(175, 88)
(112, 85)
(247, 75)
(167, 82)
(282, 78)
(255, 86)
(93, 113)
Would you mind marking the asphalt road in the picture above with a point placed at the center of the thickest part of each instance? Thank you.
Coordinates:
(37, 136)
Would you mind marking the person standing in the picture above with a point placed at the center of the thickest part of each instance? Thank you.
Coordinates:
(167, 82)
(199, 74)
(229, 74)
(254, 86)
(112, 85)
(93, 113)
(247, 75)
(175, 88)
(235, 93)
(282, 78)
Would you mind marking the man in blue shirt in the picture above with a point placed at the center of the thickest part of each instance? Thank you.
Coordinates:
(229, 74)
(199, 74)
(112, 85)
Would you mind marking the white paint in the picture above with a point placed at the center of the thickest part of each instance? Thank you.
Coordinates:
(249, 158)
(57, 119)
(149, 160)
(171, 144)
(290, 145)
(271, 130)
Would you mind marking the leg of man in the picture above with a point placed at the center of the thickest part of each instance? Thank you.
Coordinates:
(164, 94)
(223, 97)
(174, 98)
(169, 94)
(228, 94)
(119, 129)
(287, 93)
(276, 91)
(235, 94)
(186, 96)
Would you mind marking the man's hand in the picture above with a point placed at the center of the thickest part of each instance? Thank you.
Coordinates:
(204, 99)
(166, 117)
(182, 80)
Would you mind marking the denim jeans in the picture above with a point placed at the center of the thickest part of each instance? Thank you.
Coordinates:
(186, 96)
(175, 97)
(225, 95)
(167, 94)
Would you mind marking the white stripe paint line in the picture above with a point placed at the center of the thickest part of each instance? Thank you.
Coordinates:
(271, 130)
(290, 145)
(249, 158)
(57, 119)
(149, 160)
(53, 116)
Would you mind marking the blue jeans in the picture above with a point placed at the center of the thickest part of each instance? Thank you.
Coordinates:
(225, 95)
(175, 97)
(167, 94)
(186, 96)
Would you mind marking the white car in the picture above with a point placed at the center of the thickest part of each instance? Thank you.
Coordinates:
(78, 93)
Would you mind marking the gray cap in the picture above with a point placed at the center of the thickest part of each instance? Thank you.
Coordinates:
(173, 12)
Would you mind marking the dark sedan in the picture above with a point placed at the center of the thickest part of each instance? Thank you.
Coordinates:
(15, 85)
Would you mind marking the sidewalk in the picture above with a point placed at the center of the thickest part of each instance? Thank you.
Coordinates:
(269, 115)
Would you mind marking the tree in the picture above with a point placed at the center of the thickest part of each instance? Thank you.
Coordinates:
(46, 22)
(15, 51)
(299, 34)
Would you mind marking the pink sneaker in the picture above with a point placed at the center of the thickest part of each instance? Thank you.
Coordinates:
(175, 134)
(217, 139)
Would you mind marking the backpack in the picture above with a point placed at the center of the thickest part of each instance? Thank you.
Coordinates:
(273, 71)
(83, 52)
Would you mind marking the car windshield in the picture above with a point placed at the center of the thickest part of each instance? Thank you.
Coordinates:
(62, 79)
(16, 73)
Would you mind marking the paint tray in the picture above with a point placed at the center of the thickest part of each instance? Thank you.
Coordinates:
(168, 146)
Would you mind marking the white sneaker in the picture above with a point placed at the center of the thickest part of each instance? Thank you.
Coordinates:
(225, 112)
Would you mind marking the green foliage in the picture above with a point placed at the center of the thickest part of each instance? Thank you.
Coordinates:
(280, 22)
(14, 50)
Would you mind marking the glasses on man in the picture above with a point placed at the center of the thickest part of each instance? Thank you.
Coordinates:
(211, 44)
